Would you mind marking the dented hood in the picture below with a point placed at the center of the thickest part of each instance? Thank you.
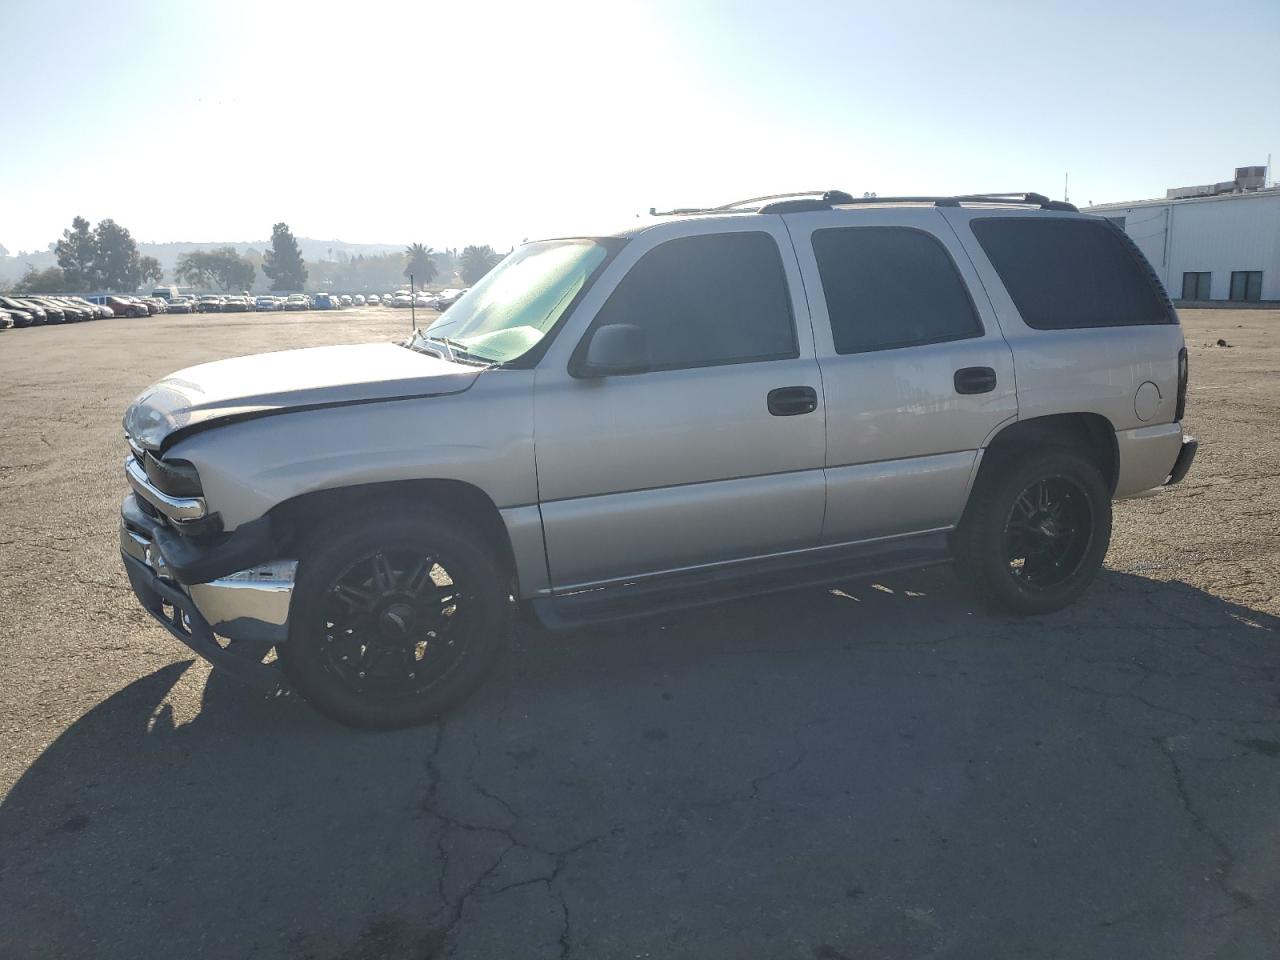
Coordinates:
(267, 383)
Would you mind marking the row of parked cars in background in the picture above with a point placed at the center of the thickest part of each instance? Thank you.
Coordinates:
(26, 311)
(34, 311)
(442, 300)
(241, 303)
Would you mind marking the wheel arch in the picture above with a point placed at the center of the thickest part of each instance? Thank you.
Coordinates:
(291, 519)
(1088, 433)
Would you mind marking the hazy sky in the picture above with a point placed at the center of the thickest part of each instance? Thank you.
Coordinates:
(210, 121)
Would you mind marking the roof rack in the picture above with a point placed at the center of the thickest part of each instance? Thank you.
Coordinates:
(807, 200)
(736, 206)
(1019, 198)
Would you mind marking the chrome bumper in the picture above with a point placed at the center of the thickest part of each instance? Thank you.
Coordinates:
(250, 604)
(249, 608)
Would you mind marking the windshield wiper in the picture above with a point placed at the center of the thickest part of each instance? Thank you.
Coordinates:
(419, 343)
(447, 349)
(453, 346)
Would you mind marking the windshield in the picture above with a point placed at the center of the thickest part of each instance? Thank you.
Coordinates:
(508, 312)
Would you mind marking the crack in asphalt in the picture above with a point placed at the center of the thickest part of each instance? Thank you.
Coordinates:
(566, 930)
(455, 908)
(1132, 695)
(1271, 672)
(1147, 671)
(1227, 857)
(469, 776)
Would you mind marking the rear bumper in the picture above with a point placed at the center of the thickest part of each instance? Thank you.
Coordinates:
(1183, 463)
(250, 608)
(1146, 457)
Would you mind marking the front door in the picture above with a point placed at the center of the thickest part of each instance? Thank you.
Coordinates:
(699, 459)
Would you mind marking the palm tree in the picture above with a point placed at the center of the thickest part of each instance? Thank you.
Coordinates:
(418, 262)
(476, 262)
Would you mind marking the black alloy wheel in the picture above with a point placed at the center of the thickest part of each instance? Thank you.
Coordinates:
(1047, 532)
(397, 615)
(394, 623)
(1035, 531)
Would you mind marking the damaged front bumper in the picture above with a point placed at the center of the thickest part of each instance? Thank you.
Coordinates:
(233, 621)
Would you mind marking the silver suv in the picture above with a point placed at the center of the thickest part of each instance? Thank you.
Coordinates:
(708, 404)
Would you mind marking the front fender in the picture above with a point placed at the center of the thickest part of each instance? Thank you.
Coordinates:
(483, 437)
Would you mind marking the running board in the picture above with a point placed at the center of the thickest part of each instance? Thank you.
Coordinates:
(636, 600)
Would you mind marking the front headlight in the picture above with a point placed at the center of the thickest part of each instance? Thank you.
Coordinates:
(155, 414)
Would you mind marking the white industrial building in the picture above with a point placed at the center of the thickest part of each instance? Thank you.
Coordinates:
(1219, 241)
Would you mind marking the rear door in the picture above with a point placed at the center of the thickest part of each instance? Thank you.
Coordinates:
(916, 372)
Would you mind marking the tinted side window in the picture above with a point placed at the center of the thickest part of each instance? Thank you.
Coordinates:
(720, 298)
(891, 287)
(1065, 273)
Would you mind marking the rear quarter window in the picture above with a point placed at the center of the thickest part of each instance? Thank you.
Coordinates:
(1068, 273)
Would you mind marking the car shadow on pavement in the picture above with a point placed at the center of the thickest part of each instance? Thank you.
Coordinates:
(886, 768)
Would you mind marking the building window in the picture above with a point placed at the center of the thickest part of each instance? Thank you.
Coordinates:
(1246, 285)
(1195, 286)
(1118, 221)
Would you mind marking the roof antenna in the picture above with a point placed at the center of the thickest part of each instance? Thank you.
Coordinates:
(1066, 182)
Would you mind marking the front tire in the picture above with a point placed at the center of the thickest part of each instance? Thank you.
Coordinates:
(395, 619)
(1036, 531)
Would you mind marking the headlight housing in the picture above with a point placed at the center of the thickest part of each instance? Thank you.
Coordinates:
(156, 413)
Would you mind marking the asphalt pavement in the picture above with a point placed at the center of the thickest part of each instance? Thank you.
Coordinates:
(873, 771)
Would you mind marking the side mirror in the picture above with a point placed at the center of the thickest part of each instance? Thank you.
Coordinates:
(614, 349)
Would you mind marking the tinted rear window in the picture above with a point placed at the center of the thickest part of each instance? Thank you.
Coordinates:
(1066, 273)
(889, 287)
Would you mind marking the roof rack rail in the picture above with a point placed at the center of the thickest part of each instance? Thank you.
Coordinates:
(834, 197)
(737, 205)
(824, 194)
(731, 207)
(801, 201)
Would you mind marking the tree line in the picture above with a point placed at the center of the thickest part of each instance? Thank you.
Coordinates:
(227, 270)
(105, 257)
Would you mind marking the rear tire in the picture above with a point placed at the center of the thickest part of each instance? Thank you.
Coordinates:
(1036, 531)
(396, 618)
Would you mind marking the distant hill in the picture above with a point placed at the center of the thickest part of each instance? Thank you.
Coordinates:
(313, 250)
(12, 267)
